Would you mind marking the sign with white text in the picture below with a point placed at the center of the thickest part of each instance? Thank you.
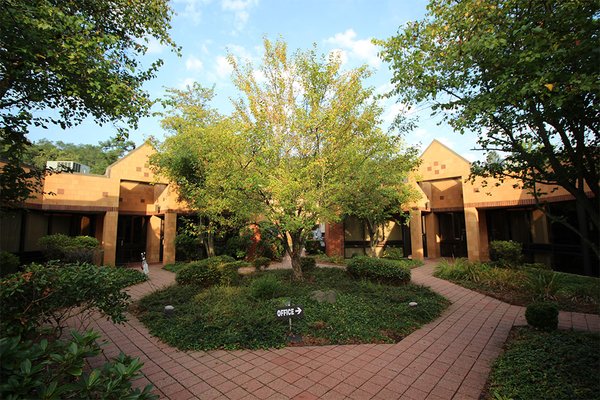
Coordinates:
(290, 312)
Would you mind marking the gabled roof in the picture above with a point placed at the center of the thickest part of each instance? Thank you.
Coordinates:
(435, 141)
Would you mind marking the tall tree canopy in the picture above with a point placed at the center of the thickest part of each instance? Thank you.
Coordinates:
(521, 74)
(302, 138)
(78, 58)
(97, 157)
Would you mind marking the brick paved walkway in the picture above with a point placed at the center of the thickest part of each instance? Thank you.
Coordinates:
(445, 359)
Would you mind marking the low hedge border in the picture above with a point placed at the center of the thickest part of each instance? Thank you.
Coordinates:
(380, 270)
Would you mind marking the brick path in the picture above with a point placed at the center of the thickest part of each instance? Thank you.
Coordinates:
(448, 358)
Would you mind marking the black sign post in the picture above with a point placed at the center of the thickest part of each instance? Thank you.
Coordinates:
(289, 312)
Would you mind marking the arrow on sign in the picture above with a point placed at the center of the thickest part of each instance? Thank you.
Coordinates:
(298, 311)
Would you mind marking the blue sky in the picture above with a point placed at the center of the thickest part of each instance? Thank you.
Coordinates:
(207, 30)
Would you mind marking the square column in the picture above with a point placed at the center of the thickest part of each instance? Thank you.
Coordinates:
(153, 240)
(416, 235)
(473, 234)
(109, 237)
(334, 239)
(170, 231)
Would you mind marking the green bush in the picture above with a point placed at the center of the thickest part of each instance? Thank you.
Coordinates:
(393, 253)
(542, 315)
(270, 244)
(238, 245)
(506, 253)
(188, 247)
(266, 287)
(47, 294)
(229, 272)
(261, 262)
(380, 270)
(56, 369)
(9, 263)
(203, 273)
(308, 264)
(68, 249)
(313, 247)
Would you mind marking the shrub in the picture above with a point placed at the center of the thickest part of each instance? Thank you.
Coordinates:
(313, 247)
(270, 244)
(506, 253)
(238, 245)
(266, 287)
(542, 315)
(261, 262)
(82, 249)
(56, 369)
(308, 264)
(229, 272)
(188, 247)
(9, 263)
(48, 294)
(203, 273)
(542, 285)
(393, 253)
(380, 270)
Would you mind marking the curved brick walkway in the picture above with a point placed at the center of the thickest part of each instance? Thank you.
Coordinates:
(448, 358)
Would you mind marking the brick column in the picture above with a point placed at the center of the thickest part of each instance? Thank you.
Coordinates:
(416, 235)
(334, 239)
(169, 237)
(432, 227)
(109, 237)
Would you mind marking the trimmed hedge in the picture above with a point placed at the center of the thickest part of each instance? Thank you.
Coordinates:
(542, 315)
(379, 269)
(205, 272)
(261, 262)
(506, 253)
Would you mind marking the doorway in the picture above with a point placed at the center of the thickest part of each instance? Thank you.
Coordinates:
(131, 238)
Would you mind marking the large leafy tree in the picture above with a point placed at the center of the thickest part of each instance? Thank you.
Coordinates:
(521, 74)
(78, 58)
(98, 157)
(302, 136)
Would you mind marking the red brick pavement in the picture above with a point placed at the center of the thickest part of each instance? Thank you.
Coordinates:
(448, 358)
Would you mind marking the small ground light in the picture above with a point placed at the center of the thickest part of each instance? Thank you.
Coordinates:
(169, 310)
(413, 304)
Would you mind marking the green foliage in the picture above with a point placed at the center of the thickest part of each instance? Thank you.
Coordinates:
(542, 315)
(261, 263)
(9, 263)
(97, 157)
(237, 246)
(506, 253)
(293, 163)
(308, 264)
(522, 75)
(205, 272)
(393, 253)
(521, 286)
(48, 294)
(556, 365)
(188, 247)
(244, 316)
(175, 267)
(266, 287)
(70, 249)
(313, 247)
(270, 244)
(56, 369)
(323, 258)
(78, 59)
(391, 272)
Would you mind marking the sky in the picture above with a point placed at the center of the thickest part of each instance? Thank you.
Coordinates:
(207, 30)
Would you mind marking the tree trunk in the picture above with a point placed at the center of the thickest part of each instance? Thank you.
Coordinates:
(293, 246)
(209, 244)
(373, 236)
(585, 247)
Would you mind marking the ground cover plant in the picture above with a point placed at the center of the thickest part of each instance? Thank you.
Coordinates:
(39, 359)
(243, 316)
(556, 365)
(525, 284)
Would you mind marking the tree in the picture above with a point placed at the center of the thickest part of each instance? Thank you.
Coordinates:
(77, 58)
(97, 157)
(300, 138)
(523, 75)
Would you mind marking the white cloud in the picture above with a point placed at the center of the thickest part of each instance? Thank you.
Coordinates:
(154, 45)
(392, 111)
(240, 10)
(191, 9)
(193, 64)
(185, 83)
(361, 49)
(222, 67)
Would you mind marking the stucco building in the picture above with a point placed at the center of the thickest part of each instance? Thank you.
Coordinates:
(455, 217)
(130, 210)
(127, 209)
